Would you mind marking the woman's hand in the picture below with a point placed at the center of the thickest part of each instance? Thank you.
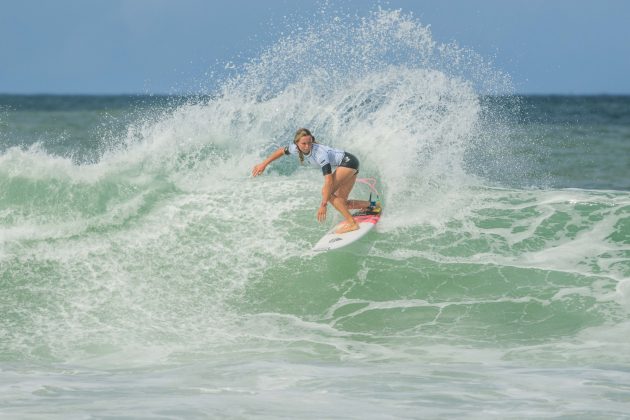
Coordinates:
(321, 213)
(258, 169)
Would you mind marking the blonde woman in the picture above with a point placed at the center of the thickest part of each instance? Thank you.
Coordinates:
(340, 171)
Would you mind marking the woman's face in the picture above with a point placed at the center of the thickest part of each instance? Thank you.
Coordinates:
(305, 143)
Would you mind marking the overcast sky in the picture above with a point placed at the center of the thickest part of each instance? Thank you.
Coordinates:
(160, 46)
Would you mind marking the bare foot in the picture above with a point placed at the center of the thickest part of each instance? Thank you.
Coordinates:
(348, 227)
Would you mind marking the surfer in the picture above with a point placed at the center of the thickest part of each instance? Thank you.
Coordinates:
(339, 168)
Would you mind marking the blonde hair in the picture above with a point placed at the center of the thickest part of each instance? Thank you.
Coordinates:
(301, 132)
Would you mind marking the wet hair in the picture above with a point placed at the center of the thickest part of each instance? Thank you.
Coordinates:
(298, 135)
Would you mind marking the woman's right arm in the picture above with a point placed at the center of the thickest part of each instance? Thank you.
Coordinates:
(260, 168)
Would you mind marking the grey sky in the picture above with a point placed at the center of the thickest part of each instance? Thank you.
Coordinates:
(160, 46)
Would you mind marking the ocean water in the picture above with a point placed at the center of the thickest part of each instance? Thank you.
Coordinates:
(145, 274)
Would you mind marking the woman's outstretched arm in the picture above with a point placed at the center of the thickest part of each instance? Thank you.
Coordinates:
(260, 168)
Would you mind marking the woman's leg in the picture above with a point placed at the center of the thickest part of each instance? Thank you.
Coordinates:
(343, 182)
(344, 188)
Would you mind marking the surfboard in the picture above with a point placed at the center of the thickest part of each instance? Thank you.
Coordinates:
(366, 219)
(332, 240)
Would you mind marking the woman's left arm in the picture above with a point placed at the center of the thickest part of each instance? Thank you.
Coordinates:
(326, 191)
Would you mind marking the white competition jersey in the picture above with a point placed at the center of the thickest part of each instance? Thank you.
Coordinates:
(320, 156)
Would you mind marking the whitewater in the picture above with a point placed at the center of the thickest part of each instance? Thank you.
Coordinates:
(145, 274)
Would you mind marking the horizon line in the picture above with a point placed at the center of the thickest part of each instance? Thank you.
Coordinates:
(181, 94)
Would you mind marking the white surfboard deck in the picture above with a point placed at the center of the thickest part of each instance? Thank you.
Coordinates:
(332, 240)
